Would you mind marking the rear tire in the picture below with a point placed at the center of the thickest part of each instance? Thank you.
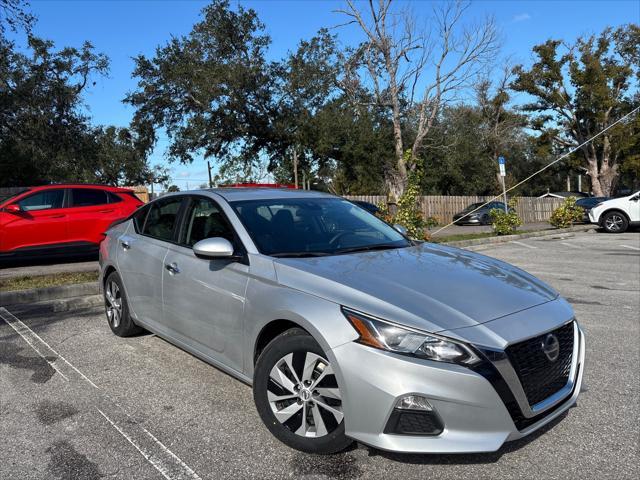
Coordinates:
(117, 308)
(615, 222)
(297, 395)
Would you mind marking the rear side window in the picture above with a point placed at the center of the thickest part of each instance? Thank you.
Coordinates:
(45, 200)
(87, 197)
(161, 220)
(113, 198)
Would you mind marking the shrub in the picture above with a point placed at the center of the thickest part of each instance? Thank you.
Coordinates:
(431, 222)
(505, 223)
(408, 213)
(566, 214)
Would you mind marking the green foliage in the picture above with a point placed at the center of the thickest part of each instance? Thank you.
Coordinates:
(14, 16)
(211, 90)
(505, 223)
(566, 214)
(408, 212)
(581, 88)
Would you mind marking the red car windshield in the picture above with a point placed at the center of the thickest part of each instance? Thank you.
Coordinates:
(7, 199)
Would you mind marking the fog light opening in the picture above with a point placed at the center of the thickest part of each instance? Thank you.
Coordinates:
(414, 402)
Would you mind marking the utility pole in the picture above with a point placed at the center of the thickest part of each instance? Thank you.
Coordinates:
(209, 170)
(295, 167)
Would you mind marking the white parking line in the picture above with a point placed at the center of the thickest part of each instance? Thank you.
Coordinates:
(630, 247)
(152, 449)
(523, 244)
(571, 245)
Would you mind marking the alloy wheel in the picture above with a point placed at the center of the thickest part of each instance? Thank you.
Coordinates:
(614, 222)
(113, 299)
(304, 395)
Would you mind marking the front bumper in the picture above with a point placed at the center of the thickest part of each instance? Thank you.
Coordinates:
(474, 414)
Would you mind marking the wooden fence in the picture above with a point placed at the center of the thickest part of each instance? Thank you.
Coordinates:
(444, 207)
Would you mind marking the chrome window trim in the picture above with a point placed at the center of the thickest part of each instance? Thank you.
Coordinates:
(503, 365)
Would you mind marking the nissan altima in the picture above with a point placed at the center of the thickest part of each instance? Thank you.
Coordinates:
(346, 329)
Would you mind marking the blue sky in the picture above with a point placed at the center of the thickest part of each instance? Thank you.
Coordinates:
(122, 29)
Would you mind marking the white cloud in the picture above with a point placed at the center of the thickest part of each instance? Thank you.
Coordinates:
(522, 17)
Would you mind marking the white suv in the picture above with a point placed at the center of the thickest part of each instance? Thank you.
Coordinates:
(617, 214)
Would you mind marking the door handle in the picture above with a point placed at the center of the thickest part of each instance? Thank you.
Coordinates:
(57, 216)
(172, 268)
(125, 245)
(105, 211)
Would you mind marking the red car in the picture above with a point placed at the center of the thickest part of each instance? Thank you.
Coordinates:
(61, 219)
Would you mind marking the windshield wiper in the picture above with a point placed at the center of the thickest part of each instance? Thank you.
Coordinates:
(299, 254)
(370, 248)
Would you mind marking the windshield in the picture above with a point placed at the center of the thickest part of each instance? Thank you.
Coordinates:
(6, 198)
(306, 227)
(473, 206)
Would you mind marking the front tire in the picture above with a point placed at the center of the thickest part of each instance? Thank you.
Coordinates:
(615, 222)
(297, 395)
(117, 308)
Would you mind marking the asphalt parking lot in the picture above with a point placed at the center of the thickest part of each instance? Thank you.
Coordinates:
(78, 402)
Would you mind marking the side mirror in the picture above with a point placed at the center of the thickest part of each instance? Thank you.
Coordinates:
(216, 247)
(400, 229)
(13, 208)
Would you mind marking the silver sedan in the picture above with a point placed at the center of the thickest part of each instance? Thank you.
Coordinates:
(346, 329)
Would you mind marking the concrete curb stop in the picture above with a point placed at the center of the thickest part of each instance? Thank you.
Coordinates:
(40, 295)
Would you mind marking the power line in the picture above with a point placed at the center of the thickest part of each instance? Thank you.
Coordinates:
(561, 157)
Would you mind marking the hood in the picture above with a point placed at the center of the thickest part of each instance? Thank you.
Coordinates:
(430, 287)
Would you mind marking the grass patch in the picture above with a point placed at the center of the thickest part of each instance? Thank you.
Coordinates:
(29, 282)
(462, 236)
(473, 236)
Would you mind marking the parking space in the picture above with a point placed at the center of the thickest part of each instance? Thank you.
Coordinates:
(78, 402)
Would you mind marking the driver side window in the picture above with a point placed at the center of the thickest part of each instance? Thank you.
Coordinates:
(204, 219)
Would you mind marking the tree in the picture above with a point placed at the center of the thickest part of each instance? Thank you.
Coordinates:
(210, 90)
(307, 82)
(14, 15)
(581, 89)
(173, 188)
(120, 158)
(42, 127)
(45, 136)
(396, 57)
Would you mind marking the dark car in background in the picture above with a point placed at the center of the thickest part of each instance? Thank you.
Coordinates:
(479, 217)
(587, 204)
(368, 206)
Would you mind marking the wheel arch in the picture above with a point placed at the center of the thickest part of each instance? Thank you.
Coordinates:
(107, 271)
(270, 331)
(612, 210)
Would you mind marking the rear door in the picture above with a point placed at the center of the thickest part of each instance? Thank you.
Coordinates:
(141, 252)
(204, 299)
(42, 221)
(90, 215)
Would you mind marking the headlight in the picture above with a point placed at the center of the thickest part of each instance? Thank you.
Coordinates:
(393, 338)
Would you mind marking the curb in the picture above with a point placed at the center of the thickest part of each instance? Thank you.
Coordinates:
(509, 238)
(59, 305)
(21, 297)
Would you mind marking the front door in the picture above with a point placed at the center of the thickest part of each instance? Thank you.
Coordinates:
(204, 299)
(41, 222)
(141, 253)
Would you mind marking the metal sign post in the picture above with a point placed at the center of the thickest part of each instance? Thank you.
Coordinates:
(503, 172)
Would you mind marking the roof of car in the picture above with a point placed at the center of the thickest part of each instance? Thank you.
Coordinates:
(78, 185)
(234, 194)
